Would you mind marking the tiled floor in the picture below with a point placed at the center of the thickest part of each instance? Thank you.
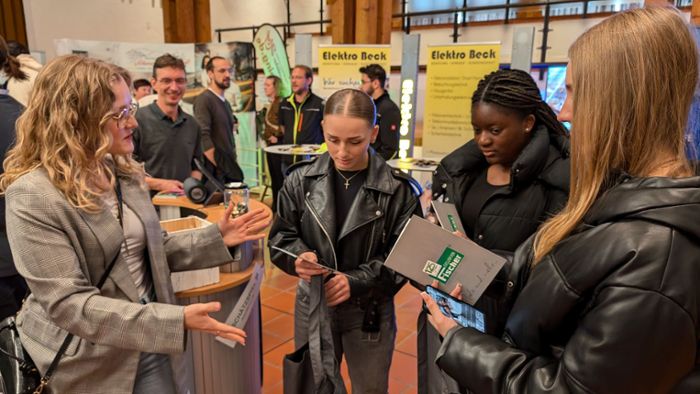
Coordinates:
(277, 294)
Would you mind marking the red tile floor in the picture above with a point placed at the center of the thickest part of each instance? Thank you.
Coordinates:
(277, 295)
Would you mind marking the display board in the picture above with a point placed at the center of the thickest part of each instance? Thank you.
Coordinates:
(339, 65)
(453, 72)
(138, 59)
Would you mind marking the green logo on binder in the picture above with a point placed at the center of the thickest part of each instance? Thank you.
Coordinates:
(446, 265)
(453, 223)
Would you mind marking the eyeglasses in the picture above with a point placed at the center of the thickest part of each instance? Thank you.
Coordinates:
(125, 114)
(168, 81)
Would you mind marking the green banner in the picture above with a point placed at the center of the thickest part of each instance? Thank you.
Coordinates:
(247, 148)
(272, 56)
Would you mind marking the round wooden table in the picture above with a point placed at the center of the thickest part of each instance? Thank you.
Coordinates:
(293, 150)
(214, 367)
(414, 164)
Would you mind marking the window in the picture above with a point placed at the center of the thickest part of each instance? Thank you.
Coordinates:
(518, 12)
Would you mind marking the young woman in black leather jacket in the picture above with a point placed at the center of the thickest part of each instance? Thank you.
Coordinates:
(608, 294)
(345, 209)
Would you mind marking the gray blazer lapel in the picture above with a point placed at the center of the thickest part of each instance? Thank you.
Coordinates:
(110, 238)
(139, 201)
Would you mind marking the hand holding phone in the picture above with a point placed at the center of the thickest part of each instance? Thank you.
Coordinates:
(462, 313)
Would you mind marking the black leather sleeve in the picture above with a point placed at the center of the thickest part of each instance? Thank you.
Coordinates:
(373, 274)
(616, 348)
(285, 232)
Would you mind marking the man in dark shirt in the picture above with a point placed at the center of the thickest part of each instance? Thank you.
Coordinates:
(213, 112)
(167, 139)
(301, 113)
(388, 114)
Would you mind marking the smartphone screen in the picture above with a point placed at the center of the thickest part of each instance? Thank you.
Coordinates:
(463, 313)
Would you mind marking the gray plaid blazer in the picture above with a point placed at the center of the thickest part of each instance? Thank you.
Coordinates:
(62, 252)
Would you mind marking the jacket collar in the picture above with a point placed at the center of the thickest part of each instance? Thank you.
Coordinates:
(533, 159)
(379, 176)
(110, 237)
(670, 202)
(364, 208)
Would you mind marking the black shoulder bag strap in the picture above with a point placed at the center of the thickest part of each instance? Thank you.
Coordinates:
(66, 342)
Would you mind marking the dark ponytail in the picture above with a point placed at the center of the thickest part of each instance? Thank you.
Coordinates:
(9, 64)
(517, 91)
(352, 102)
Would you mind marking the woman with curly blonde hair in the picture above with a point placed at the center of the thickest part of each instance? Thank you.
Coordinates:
(76, 202)
(607, 294)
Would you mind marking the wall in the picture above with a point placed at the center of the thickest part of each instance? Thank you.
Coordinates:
(142, 21)
(104, 20)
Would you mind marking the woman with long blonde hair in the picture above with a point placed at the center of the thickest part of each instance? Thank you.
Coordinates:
(607, 299)
(78, 207)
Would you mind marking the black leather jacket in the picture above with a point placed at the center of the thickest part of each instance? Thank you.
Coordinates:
(306, 222)
(614, 308)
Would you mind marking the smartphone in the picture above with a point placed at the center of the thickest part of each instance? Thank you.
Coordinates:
(461, 312)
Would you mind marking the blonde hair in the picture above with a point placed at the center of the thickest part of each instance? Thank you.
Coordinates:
(62, 131)
(633, 79)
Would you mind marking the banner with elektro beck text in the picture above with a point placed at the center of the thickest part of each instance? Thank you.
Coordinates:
(339, 65)
(453, 72)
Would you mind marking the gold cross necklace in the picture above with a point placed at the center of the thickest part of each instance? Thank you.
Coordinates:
(347, 180)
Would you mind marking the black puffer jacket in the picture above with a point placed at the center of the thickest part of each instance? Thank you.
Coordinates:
(306, 222)
(614, 308)
(538, 189)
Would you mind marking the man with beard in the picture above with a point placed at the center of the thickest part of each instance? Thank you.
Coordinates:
(167, 139)
(301, 113)
(388, 114)
(213, 112)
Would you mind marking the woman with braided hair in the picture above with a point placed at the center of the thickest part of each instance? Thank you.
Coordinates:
(504, 183)
(607, 292)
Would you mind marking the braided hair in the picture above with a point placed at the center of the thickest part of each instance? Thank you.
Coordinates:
(517, 91)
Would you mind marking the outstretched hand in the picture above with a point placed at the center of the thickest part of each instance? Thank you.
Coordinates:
(247, 227)
(197, 318)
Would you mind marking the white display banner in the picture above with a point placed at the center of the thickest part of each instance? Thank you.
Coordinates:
(241, 311)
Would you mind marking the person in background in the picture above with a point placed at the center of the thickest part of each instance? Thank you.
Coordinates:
(606, 300)
(345, 209)
(301, 114)
(142, 88)
(504, 184)
(13, 288)
(167, 139)
(273, 135)
(388, 113)
(213, 112)
(76, 201)
(20, 88)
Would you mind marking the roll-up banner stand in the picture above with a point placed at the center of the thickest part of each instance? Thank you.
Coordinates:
(409, 88)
